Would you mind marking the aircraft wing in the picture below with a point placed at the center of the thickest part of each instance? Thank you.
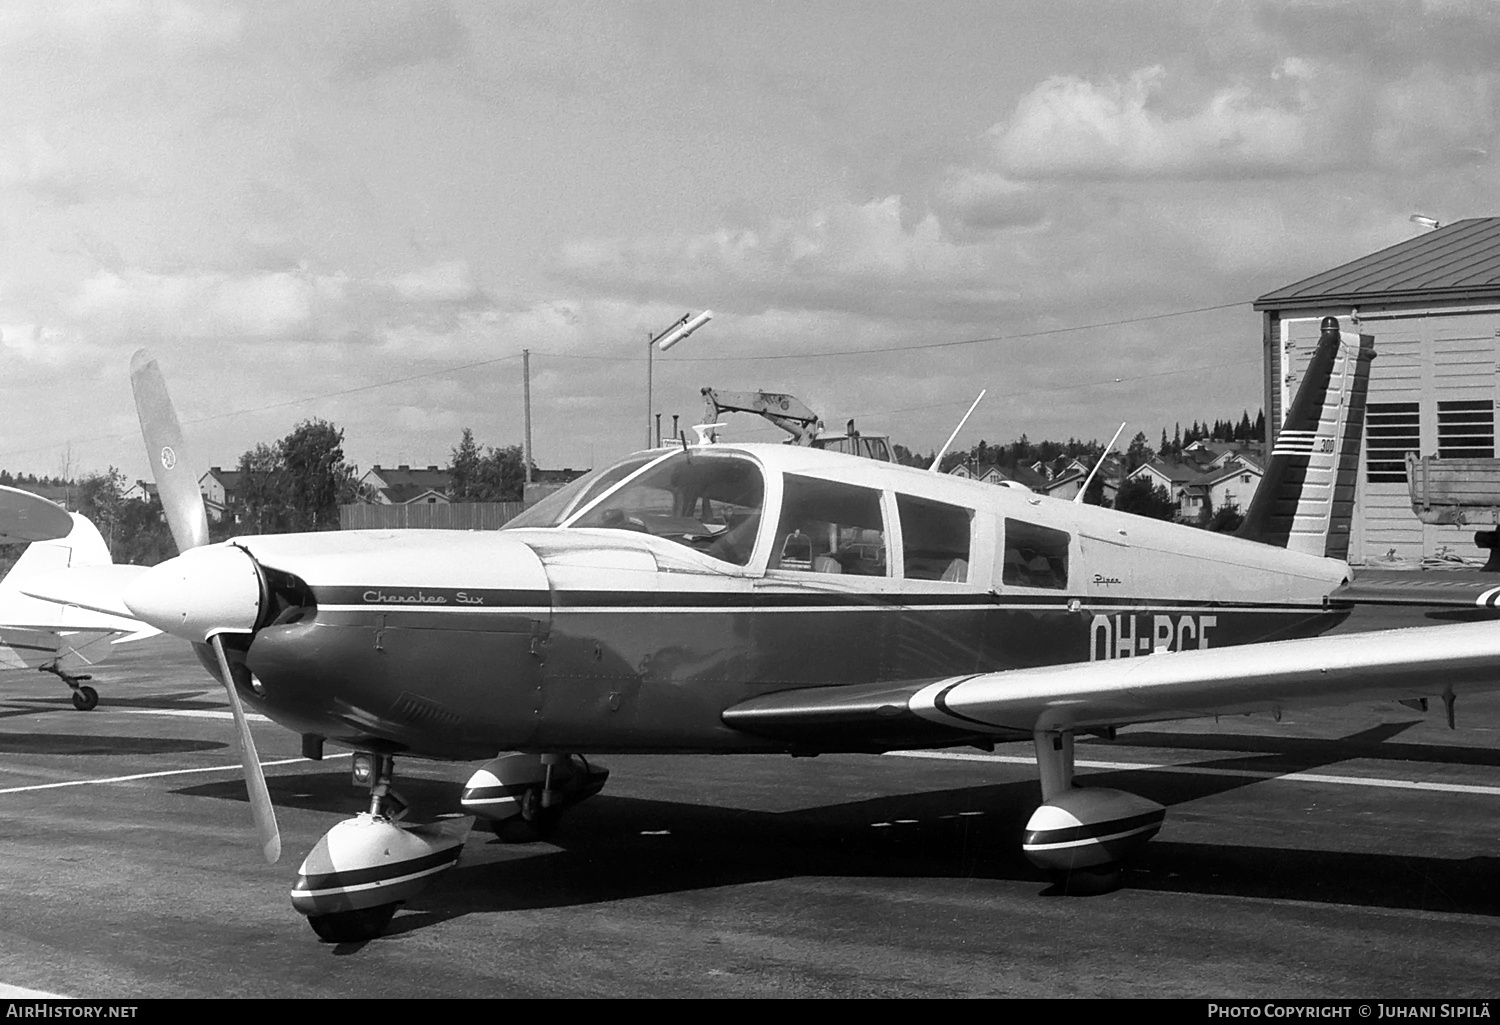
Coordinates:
(1268, 676)
(71, 650)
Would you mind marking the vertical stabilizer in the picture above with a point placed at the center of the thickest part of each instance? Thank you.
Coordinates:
(1305, 502)
(83, 546)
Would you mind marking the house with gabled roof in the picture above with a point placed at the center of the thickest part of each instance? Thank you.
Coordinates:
(405, 485)
(990, 473)
(1070, 476)
(1228, 487)
(221, 494)
(142, 491)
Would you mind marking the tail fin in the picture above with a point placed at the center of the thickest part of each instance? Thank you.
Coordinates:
(1305, 502)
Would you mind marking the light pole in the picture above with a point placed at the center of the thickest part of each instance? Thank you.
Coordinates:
(668, 338)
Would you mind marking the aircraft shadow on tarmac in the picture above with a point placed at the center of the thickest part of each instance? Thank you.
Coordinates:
(613, 848)
(90, 743)
(99, 744)
(1371, 744)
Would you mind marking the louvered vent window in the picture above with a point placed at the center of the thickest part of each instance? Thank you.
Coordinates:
(1392, 429)
(1466, 429)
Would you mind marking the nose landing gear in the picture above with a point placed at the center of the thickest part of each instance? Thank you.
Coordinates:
(351, 883)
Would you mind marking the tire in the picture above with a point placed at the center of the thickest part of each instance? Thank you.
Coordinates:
(533, 825)
(352, 926)
(1087, 882)
(85, 698)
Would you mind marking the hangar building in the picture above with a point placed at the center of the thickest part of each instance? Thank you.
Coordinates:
(1433, 305)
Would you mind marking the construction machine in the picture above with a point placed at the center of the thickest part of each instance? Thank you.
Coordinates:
(790, 414)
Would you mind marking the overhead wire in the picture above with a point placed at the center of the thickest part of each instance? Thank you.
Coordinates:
(826, 354)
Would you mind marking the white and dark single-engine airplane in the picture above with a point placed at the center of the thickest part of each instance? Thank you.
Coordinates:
(708, 597)
(40, 635)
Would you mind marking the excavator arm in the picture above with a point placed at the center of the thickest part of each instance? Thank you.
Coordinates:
(785, 411)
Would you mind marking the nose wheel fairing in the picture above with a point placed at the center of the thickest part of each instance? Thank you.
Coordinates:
(369, 861)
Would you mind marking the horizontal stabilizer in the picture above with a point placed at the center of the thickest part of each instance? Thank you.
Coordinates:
(25, 517)
(98, 588)
(1451, 589)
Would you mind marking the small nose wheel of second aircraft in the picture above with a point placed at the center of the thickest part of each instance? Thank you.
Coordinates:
(85, 698)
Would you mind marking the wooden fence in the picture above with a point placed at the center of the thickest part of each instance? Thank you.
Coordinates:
(429, 516)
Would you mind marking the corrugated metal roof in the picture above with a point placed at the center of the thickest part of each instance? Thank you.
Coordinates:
(1455, 263)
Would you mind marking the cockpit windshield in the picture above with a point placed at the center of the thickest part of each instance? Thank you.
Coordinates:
(558, 506)
(708, 501)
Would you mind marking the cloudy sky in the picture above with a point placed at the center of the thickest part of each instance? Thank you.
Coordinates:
(364, 211)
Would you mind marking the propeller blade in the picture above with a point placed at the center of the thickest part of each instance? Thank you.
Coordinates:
(255, 777)
(176, 480)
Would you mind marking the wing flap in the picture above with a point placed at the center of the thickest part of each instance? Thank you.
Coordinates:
(875, 717)
(67, 649)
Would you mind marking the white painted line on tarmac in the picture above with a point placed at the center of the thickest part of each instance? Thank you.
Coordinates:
(1190, 770)
(191, 713)
(158, 775)
(20, 993)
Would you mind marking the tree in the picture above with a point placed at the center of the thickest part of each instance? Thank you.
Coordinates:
(299, 483)
(262, 490)
(101, 497)
(1138, 495)
(464, 468)
(318, 478)
(502, 475)
(1094, 493)
(906, 457)
(1139, 452)
(497, 475)
(144, 537)
(1225, 521)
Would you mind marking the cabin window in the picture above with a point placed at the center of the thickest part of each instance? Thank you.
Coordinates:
(1035, 556)
(827, 527)
(935, 539)
(704, 501)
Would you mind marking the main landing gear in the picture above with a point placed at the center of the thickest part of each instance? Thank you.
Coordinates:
(521, 797)
(362, 868)
(1080, 836)
(84, 696)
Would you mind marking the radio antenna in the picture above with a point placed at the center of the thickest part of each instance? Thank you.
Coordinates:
(1078, 498)
(944, 451)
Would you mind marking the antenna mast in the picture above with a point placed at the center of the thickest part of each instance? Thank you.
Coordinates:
(944, 450)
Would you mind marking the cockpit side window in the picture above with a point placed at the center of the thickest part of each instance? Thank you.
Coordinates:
(828, 527)
(708, 502)
(1035, 556)
(934, 539)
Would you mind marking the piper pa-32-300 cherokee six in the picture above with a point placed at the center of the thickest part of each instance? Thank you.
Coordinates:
(767, 598)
